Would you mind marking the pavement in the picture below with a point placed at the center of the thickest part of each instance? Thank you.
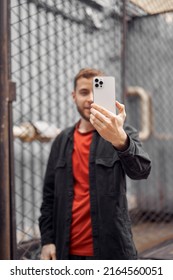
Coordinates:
(154, 240)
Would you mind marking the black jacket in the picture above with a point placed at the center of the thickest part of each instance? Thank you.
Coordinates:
(111, 225)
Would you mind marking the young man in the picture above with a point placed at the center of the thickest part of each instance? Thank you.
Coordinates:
(84, 213)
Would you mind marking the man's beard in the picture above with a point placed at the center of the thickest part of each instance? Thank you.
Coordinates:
(82, 114)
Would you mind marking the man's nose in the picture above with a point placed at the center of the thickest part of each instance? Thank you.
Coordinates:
(90, 97)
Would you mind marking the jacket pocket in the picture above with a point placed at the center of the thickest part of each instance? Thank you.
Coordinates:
(60, 163)
(108, 172)
(108, 162)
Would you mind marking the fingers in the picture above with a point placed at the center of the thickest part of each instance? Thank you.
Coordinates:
(119, 106)
(98, 120)
(44, 257)
(97, 123)
(48, 252)
(99, 115)
(101, 118)
(106, 113)
(102, 110)
(48, 257)
(53, 256)
(121, 109)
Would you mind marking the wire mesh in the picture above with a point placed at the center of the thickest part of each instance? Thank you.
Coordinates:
(50, 42)
(149, 65)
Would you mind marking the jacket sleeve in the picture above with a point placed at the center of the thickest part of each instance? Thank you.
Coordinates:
(46, 218)
(134, 159)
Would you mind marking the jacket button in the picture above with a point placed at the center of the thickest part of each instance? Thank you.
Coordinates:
(70, 193)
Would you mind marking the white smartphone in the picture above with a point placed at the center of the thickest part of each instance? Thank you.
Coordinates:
(104, 92)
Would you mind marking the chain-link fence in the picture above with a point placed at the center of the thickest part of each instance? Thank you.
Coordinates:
(149, 66)
(50, 42)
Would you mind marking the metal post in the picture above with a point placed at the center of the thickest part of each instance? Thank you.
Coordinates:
(124, 25)
(6, 89)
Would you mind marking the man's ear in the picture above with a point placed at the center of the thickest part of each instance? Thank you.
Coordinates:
(73, 95)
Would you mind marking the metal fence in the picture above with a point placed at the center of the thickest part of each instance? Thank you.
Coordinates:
(149, 65)
(50, 42)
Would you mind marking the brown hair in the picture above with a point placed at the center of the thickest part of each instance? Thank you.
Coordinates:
(87, 73)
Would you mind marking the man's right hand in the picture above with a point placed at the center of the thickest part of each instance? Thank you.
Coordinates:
(48, 252)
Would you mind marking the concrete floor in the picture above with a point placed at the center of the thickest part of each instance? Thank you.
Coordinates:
(149, 234)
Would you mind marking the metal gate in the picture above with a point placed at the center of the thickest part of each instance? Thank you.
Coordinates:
(50, 41)
(149, 68)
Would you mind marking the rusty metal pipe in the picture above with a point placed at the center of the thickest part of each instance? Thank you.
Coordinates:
(4, 149)
(123, 54)
(145, 103)
(37, 131)
(6, 143)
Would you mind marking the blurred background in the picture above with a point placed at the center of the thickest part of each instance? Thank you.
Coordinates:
(46, 44)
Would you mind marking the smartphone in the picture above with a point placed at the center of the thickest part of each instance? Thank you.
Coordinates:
(104, 92)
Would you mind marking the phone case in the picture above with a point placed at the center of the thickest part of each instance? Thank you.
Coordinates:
(104, 92)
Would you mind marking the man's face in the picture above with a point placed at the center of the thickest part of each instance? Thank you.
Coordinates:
(83, 97)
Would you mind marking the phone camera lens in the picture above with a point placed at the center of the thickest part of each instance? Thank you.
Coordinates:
(101, 82)
(96, 85)
(96, 80)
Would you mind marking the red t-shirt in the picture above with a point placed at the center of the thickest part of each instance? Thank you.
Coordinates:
(81, 241)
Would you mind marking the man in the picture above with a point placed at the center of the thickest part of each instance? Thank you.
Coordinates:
(84, 214)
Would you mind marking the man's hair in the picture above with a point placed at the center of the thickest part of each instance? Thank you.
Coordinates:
(87, 73)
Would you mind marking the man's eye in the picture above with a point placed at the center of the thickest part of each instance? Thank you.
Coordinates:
(84, 92)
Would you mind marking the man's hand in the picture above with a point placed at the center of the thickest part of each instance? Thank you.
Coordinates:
(48, 252)
(109, 125)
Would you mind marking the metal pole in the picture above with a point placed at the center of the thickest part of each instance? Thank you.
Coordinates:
(6, 90)
(124, 25)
